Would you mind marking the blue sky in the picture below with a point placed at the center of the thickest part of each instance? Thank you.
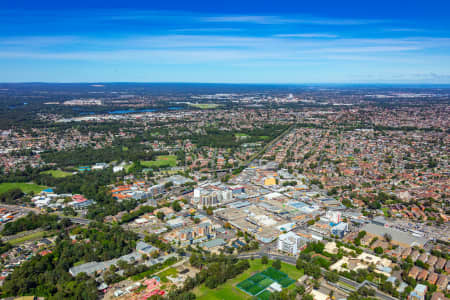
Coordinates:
(232, 42)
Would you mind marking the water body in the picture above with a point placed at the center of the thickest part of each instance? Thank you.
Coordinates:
(87, 113)
(17, 105)
(129, 111)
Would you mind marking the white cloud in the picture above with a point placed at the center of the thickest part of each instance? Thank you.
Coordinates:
(246, 19)
(39, 40)
(404, 29)
(373, 49)
(307, 35)
(215, 29)
(286, 20)
(196, 49)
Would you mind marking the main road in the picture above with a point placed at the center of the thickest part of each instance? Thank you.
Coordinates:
(262, 151)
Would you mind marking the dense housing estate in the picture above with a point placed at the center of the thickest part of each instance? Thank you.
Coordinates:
(136, 192)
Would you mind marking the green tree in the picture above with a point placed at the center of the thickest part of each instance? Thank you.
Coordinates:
(300, 289)
(388, 237)
(331, 276)
(378, 250)
(277, 264)
(160, 215)
(176, 206)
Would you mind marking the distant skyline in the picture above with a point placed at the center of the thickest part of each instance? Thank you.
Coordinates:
(236, 42)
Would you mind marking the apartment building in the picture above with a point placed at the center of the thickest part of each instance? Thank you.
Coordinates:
(291, 243)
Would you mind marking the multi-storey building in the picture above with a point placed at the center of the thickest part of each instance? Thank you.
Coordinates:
(291, 243)
(211, 196)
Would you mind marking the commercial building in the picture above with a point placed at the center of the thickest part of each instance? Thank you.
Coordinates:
(144, 248)
(291, 243)
(99, 166)
(211, 196)
(270, 181)
(213, 243)
(339, 229)
(401, 238)
(196, 234)
(155, 190)
(334, 216)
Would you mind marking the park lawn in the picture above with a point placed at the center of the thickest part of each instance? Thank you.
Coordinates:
(170, 158)
(240, 134)
(291, 271)
(204, 105)
(154, 270)
(127, 167)
(162, 160)
(228, 290)
(25, 187)
(169, 272)
(33, 236)
(57, 173)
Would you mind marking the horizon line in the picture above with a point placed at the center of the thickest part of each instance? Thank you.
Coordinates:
(223, 83)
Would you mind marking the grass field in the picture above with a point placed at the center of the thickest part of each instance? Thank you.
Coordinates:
(257, 283)
(341, 283)
(33, 236)
(240, 135)
(161, 161)
(229, 291)
(25, 187)
(169, 272)
(264, 295)
(204, 105)
(57, 173)
(155, 270)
